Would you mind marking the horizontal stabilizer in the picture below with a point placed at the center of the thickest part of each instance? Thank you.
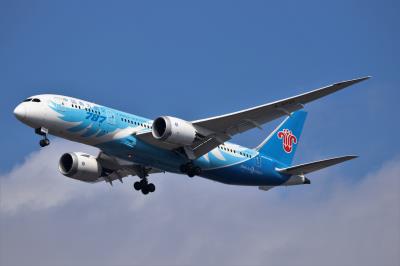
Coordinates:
(306, 168)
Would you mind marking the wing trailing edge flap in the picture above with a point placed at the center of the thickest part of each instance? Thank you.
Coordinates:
(208, 143)
(306, 168)
(117, 168)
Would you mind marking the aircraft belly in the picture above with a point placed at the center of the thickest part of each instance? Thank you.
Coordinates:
(245, 174)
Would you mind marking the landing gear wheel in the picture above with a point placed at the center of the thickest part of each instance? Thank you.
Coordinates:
(151, 187)
(145, 190)
(197, 170)
(144, 186)
(183, 168)
(137, 185)
(190, 169)
(44, 142)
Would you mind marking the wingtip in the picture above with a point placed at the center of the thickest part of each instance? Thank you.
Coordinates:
(363, 78)
(354, 81)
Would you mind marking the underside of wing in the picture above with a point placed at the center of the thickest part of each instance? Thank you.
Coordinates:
(199, 147)
(118, 169)
(148, 138)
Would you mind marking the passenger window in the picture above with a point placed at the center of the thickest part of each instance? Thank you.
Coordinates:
(36, 100)
(27, 100)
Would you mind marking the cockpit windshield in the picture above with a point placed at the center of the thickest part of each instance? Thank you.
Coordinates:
(36, 100)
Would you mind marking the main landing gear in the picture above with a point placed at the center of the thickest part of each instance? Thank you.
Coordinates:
(144, 186)
(43, 132)
(190, 169)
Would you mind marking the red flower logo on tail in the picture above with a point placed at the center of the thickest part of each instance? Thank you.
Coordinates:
(288, 139)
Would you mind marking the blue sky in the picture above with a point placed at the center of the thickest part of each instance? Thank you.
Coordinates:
(197, 59)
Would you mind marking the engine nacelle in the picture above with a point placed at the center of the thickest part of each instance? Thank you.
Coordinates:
(80, 166)
(174, 130)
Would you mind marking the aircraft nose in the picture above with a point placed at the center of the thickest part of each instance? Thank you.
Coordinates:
(20, 112)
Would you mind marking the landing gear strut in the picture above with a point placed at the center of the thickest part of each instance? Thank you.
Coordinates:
(43, 132)
(190, 169)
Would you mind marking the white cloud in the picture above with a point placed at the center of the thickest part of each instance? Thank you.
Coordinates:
(53, 220)
(37, 184)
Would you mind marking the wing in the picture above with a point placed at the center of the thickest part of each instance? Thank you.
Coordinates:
(218, 129)
(238, 122)
(118, 169)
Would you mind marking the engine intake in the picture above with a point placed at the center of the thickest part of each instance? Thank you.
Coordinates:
(174, 130)
(80, 166)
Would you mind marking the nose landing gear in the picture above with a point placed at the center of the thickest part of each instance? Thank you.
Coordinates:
(43, 132)
(44, 142)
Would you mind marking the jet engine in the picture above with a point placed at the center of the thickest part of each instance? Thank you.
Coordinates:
(174, 130)
(80, 166)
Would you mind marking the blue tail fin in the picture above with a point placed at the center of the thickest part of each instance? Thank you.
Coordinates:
(281, 144)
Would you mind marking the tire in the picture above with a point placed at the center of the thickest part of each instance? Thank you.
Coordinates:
(151, 187)
(145, 190)
(191, 174)
(183, 168)
(137, 185)
(197, 170)
(42, 143)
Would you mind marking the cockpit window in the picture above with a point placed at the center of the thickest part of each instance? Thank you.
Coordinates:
(27, 100)
(36, 100)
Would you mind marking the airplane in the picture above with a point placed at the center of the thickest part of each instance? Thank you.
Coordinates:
(131, 145)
